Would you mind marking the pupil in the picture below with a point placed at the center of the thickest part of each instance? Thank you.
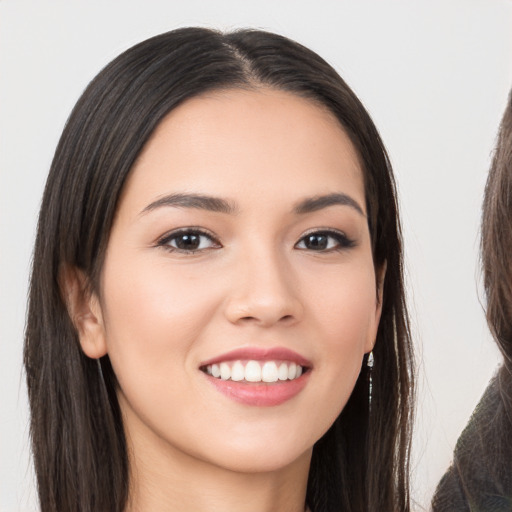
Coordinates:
(188, 242)
(316, 242)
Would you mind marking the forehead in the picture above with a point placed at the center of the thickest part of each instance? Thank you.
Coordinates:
(270, 142)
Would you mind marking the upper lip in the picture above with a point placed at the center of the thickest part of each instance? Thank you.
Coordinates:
(260, 354)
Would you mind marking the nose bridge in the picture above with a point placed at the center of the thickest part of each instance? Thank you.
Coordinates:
(263, 289)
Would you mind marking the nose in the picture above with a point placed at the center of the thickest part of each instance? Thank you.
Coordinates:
(264, 292)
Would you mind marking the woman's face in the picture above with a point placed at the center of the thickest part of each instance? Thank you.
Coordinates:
(240, 252)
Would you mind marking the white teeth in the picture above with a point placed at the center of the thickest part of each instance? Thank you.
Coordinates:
(283, 371)
(238, 371)
(269, 372)
(255, 371)
(225, 371)
(292, 370)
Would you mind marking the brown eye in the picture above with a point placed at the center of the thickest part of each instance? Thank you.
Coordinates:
(188, 241)
(324, 241)
(316, 242)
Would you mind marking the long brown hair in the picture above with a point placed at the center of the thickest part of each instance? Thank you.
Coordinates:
(496, 247)
(496, 254)
(480, 477)
(79, 448)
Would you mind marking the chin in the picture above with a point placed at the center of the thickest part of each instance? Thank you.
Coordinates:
(273, 460)
(258, 454)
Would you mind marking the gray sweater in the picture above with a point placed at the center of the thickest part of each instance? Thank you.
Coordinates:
(480, 478)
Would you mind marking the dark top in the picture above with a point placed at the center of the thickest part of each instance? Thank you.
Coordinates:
(480, 478)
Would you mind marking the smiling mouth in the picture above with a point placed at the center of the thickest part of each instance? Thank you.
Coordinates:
(255, 371)
(258, 376)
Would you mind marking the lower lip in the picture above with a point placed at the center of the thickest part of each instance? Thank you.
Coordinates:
(260, 394)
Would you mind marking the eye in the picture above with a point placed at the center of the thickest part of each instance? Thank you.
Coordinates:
(324, 240)
(188, 241)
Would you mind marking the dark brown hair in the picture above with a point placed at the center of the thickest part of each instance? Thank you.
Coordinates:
(79, 448)
(496, 254)
(496, 248)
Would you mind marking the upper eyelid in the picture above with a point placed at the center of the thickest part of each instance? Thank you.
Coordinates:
(325, 230)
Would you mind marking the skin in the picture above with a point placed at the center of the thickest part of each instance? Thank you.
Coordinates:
(161, 312)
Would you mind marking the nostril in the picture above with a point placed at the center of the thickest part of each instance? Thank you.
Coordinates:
(266, 312)
(247, 319)
(285, 318)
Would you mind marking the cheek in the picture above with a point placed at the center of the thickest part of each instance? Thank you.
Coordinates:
(345, 305)
(346, 325)
(152, 313)
(155, 320)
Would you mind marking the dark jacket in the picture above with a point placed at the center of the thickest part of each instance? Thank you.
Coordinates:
(480, 478)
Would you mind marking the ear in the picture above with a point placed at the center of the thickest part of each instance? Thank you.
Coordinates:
(380, 276)
(84, 310)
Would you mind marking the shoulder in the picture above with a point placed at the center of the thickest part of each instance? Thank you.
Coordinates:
(449, 495)
(480, 478)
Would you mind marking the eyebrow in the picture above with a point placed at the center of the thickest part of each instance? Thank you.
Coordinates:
(314, 204)
(219, 205)
(199, 201)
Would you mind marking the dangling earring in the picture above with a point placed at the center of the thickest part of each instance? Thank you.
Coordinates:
(369, 363)
(370, 360)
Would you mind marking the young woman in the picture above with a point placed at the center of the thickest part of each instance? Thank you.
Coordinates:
(217, 316)
(481, 475)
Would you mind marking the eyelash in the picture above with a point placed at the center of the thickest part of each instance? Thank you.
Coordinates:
(342, 241)
(164, 242)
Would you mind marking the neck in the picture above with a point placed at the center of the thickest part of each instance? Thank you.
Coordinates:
(166, 479)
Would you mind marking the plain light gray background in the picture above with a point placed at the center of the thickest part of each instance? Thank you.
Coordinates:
(434, 74)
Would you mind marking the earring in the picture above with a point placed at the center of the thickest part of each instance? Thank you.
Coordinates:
(369, 363)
